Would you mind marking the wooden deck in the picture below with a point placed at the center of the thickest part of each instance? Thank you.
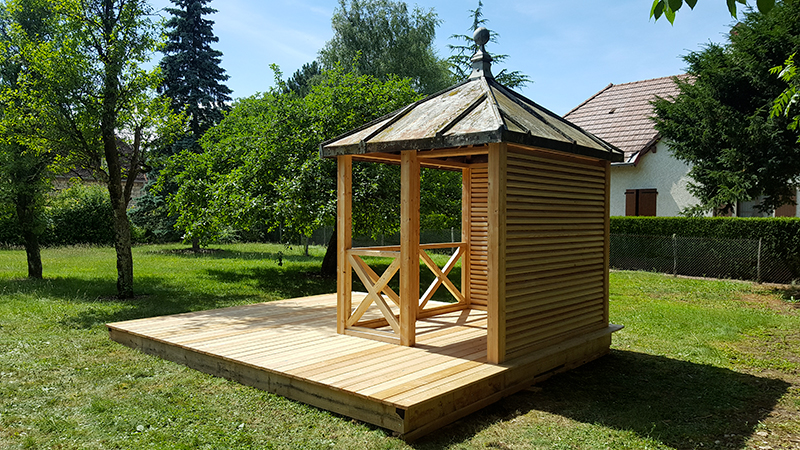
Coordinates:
(291, 348)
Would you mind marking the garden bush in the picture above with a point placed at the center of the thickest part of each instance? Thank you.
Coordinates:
(81, 214)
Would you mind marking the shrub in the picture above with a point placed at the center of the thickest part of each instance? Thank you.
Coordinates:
(9, 228)
(81, 214)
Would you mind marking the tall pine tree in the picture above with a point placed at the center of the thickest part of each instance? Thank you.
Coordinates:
(193, 78)
(194, 81)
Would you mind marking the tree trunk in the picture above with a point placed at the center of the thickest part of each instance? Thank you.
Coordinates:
(329, 261)
(122, 244)
(26, 216)
(33, 253)
(305, 244)
(196, 244)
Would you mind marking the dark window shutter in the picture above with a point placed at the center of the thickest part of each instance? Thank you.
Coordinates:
(647, 202)
(788, 210)
(630, 202)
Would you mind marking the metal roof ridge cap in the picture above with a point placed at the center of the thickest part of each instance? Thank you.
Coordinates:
(512, 95)
(522, 99)
(461, 115)
(495, 106)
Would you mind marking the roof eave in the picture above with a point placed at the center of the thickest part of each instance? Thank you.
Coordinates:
(481, 138)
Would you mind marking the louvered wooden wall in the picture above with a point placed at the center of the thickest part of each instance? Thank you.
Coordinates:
(555, 279)
(479, 236)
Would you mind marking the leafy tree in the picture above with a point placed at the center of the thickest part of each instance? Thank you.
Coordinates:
(25, 172)
(261, 164)
(193, 78)
(668, 8)
(461, 54)
(93, 101)
(384, 38)
(788, 103)
(720, 122)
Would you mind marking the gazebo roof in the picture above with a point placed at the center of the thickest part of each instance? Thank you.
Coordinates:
(475, 112)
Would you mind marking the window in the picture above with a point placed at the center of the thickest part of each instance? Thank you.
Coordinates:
(640, 202)
(787, 210)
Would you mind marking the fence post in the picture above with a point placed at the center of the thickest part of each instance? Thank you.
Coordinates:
(674, 256)
(758, 263)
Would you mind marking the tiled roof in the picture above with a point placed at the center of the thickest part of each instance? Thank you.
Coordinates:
(620, 113)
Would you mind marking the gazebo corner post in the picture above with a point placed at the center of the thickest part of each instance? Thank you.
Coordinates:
(496, 326)
(344, 228)
(466, 226)
(409, 245)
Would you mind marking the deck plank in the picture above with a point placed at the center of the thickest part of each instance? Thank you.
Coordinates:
(291, 348)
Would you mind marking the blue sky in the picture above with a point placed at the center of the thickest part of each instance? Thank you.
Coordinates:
(570, 48)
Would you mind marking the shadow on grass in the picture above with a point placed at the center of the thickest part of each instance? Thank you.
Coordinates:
(678, 403)
(157, 296)
(287, 282)
(217, 253)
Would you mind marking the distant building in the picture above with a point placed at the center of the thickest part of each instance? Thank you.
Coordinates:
(650, 182)
(63, 181)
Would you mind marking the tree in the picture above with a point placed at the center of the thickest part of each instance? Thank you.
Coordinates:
(461, 54)
(385, 39)
(668, 8)
(94, 102)
(25, 172)
(304, 78)
(193, 78)
(261, 164)
(720, 122)
(788, 103)
(194, 83)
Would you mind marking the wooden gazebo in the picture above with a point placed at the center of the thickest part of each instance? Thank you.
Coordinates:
(533, 297)
(535, 240)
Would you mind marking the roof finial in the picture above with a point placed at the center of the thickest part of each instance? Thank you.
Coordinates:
(481, 60)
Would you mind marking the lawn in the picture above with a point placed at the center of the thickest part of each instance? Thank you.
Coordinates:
(700, 364)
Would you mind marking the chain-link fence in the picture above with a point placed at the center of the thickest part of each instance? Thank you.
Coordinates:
(743, 259)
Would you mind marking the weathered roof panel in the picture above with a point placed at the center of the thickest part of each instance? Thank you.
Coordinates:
(477, 111)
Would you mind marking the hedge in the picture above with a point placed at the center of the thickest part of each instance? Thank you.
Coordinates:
(780, 235)
(78, 215)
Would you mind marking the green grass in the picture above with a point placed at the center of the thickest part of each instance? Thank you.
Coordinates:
(700, 364)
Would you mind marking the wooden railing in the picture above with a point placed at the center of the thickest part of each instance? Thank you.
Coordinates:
(384, 297)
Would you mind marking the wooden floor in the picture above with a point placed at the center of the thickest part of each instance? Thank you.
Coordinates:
(291, 348)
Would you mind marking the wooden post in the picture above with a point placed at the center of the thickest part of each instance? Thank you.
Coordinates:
(409, 246)
(466, 226)
(607, 241)
(496, 327)
(344, 228)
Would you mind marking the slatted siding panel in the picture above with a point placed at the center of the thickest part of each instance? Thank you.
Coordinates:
(479, 237)
(554, 249)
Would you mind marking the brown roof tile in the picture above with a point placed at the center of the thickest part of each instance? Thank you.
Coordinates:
(620, 113)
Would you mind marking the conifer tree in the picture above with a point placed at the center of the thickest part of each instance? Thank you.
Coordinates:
(193, 78)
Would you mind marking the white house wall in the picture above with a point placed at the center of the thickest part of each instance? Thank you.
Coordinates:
(659, 170)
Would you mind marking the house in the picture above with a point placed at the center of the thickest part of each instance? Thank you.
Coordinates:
(85, 175)
(650, 181)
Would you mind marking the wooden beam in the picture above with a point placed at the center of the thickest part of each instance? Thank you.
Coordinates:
(496, 328)
(449, 152)
(344, 229)
(409, 245)
(466, 205)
